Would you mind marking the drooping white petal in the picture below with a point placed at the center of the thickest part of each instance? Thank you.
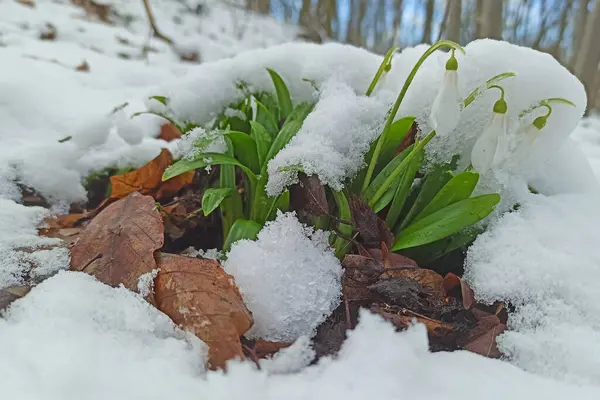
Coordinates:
(526, 138)
(445, 111)
(490, 148)
(127, 129)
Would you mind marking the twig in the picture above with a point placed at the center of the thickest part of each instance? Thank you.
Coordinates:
(157, 34)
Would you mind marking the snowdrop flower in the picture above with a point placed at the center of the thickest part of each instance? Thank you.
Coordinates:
(527, 136)
(127, 129)
(490, 149)
(445, 111)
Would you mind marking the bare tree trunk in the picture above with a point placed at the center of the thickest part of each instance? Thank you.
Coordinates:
(454, 20)
(305, 13)
(362, 13)
(587, 61)
(578, 30)
(429, 9)
(479, 15)
(492, 17)
(397, 21)
(326, 12)
(564, 19)
(545, 12)
(444, 21)
(264, 6)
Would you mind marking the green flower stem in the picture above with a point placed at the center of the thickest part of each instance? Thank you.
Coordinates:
(392, 114)
(390, 179)
(488, 84)
(499, 88)
(385, 66)
(546, 103)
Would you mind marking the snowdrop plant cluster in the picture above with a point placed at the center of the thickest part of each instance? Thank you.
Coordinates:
(429, 215)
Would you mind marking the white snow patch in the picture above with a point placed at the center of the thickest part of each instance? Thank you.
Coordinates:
(291, 359)
(146, 282)
(544, 260)
(333, 139)
(24, 253)
(289, 278)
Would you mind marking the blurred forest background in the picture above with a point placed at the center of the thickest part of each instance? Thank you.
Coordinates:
(569, 30)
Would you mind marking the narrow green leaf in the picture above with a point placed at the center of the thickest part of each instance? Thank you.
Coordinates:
(341, 245)
(433, 183)
(460, 187)
(289, 129)
(232, 207)
(283, 94)
(403, 188)
(163, 116)
(267, 119)
(446, 221)
(204, 160)
(426, 254)
(263, 141)
(213, 197)
(161, 99)
(240, 230)
(245, 149)
(381, 178)
(395, 136)
(281, 203)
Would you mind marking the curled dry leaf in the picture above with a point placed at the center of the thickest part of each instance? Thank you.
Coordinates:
(372, 229)
(118, 246)
(12, 293)
(409, 139)
(429, 279)
(169, 132)
(49, 32)
(309, 195)
(83, 67)
(148, 179)
(456, 287)
(28, 3)
(392, 260)
(264, 349)
(360, 272)
(200, 297)
(482, 338)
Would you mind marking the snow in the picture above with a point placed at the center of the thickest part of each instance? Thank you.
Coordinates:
(24, 253)
(71, 335)
(333, 138)
(289, 278)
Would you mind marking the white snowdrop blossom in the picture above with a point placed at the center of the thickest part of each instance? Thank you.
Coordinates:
(526, 138)
(445, 111)
(127, 129)
(490, 148)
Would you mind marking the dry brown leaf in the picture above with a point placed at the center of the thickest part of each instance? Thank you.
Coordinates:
(359, 273)
(83, 67)
(456, 287)
(148, 179)
(392, 260)
(309, 196)
(28, 3)
(409, 138)
(12, 293)
(49, 32)
(482, 338)
(263, 349)
(169, 132)
(118, 246)
(430, 280)
(372, 229)
(200, 297)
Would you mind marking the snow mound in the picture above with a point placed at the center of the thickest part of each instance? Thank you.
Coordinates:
(289, 278)
(544, 260)
(73, 336)
(24, 253)
(333, 138)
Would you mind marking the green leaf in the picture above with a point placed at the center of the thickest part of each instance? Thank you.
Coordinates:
(213, 197)
(460, 187)
(433, 183)
(241, 229)
(281, 202)
(161, 99)
(283, 94)
(232, 207)
(267, 119)
(204, 160)
(426, 254)
(342, 246)
(395, 136)
(446, 221)
(263, 141)
(289, 129)
(244, 148)
(403, 188)
(381, 178)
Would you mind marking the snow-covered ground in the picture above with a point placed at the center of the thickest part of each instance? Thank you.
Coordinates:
(72, 337)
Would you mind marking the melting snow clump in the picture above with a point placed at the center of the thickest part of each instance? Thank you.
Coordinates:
(333, 138)
(289, 279)
(544, 260)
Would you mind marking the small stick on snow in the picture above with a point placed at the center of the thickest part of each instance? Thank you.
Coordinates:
(155, 31)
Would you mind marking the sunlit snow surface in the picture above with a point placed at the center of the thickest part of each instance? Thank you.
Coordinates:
(73, 337)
